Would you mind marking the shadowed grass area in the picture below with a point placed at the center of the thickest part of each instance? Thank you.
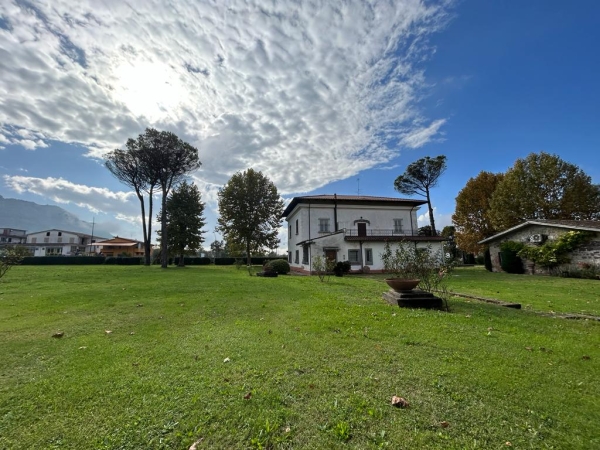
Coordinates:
(211, 354)
(540, 293)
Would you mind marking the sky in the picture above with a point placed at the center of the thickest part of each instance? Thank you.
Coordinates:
(321, 96)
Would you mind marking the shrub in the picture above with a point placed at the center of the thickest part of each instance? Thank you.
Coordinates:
(193, 261)
(509, 259)
(123, 261)
(341, 268)
(487, 260)
(280, 266)
(480, 260)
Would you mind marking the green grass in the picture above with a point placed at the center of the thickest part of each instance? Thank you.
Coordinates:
(317, 362)
(540, 293)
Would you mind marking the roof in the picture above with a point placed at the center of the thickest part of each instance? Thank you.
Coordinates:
(351, 200)
(123, 242)
(65, 231)
(582, 225)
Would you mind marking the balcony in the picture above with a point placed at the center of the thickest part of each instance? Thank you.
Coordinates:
(379, 233)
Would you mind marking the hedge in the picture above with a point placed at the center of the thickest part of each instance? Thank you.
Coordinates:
(193, 261)
(62, 260)
(124, 260)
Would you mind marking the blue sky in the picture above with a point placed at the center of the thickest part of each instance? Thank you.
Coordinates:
(322, 98)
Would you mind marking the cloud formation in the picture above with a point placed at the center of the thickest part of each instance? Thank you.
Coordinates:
(307, 92)
(62, 191)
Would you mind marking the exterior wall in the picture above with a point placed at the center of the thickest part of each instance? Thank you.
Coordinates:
(12, 236)
(587, 254)
(49, 242)
(116, 250)
(308, 217)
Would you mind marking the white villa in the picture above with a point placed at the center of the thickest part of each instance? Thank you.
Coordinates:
(59, 242)
(351, 228)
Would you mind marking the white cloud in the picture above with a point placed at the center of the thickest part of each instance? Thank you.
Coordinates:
(307, 92)
(441, 220)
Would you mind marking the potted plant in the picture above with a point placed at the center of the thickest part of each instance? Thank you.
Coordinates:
(402, 263)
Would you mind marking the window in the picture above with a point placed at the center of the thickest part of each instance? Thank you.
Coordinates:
(397, 225)
(369, 256)
(290, 232)
(33, 240)
(46, 239)
(60, 233)
(297, 258)
(71, 240)
(47, 233)
(323, 225)
(50, 251)
(59, 239)
(305, 254)
(290, 253)
(297, 229)
(353, 256)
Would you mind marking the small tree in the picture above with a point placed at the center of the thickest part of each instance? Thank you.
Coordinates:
(419, 178)
(11, 257)
(185, 220)
(323, 267)
(250, 209)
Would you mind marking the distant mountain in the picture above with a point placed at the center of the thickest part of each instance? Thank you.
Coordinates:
(30, 216)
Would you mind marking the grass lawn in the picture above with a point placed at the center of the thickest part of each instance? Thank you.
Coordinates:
(540, 293)
(210, 354)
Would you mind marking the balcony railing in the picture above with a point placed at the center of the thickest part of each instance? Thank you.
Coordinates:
(381, 233)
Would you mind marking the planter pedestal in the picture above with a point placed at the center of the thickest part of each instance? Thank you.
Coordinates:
(413, 299)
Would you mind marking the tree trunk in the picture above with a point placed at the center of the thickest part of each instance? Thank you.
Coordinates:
(431, 219)
(146, 253)
(148, 235)
(248, 258)
(181, 261)
(164, 239)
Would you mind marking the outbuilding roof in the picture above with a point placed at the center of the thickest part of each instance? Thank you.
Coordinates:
(580, 225)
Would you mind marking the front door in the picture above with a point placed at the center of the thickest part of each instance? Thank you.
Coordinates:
(331, 255)
(362, 229)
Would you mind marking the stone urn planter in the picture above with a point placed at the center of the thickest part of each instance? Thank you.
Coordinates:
(401, 284)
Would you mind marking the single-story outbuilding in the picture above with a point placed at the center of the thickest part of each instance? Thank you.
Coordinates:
(537, 232)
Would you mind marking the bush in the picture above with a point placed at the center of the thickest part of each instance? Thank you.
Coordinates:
(487, 260)
(510, 262)
(480, 260)
(342, 268)
(280, 266)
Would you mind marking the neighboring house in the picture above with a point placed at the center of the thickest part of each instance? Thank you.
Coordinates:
(119, 246)
(536, 232)
(60, 242)
(12, 236)
(351, 228)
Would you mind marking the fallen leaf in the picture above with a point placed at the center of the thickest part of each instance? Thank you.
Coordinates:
(288, 429)
(194, 446)
(226, 360)
(139, 305)
(444, 424)
(399, 402)
(508, 444)
(248, 396)
(132, 333)
(124, 288)
(58, 334)
(82, 348)
(107, 331)
(528, 348)
(586, 357)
